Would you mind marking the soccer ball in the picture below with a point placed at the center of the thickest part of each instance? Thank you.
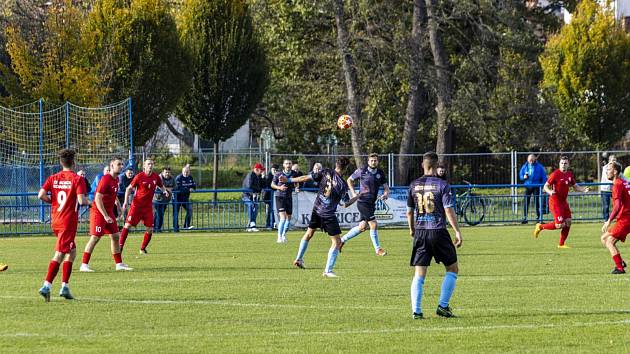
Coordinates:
(344, 121)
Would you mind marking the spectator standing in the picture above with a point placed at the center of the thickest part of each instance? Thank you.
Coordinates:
(184, 184)
(253, 184)
(160, 201)
(268, 195)
(296, 168)
(317, 167)
(88, 188)
(96, 180)
(124, 179)
(605, 189)
(532, 174)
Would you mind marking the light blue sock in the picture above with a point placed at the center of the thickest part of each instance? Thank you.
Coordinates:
(448, 286)
(280, 227)
(285, 228)
(354, 232)
(374, 237)
(332, 258)
(417, 285)
(302, 249)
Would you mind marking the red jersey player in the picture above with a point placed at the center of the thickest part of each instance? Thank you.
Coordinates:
(621, 211)
(144, 183)
(67, 191)
(102, 219)
(557, 187)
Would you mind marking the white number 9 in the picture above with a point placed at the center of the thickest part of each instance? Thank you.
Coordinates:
(61, 199)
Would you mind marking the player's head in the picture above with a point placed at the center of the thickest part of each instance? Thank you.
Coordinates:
(66, 158)
(441, 170)
(373, 160)
(429, 162)
(317, 167)
(287, 164)
(564, 163)
(531, 158)
(342, 163)
(115, 165)
(148, 165)
(613, 171)
(166, 171)
(186, 170)
(274, 168)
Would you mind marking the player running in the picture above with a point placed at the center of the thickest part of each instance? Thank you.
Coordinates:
(144, 184)
(284, 198)
(621, 211)
(102, 219)
(371, 179)
(557, 186)
(431, 200)
(67, 190)
(332, 190)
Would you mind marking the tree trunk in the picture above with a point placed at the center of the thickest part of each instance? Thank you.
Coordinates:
(445, 129)
(215, 167)
(352, 86)
(417, 92)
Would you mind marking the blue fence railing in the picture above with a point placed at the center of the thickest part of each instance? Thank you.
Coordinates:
(475, 204)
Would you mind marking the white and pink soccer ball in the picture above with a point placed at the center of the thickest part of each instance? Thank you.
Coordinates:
(344, 122)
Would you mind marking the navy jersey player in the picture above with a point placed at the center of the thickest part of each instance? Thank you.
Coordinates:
(332, 190)
(284, 199)
(371, 178)
(430, 204)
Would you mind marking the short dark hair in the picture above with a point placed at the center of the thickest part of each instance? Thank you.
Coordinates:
(373, 155)
(617, 167)
(431, 157)
(166, 168)
(66, 157)
(564, 157)
(342, 162)
(275, 165)
(115, 158)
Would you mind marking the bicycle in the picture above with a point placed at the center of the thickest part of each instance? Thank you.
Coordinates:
(470, 206)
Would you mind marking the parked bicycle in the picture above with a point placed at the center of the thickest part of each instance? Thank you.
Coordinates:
(470, 205)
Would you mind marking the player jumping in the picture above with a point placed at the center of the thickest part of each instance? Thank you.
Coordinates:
(284, 199)
(144, 184)
(431, 198)
(67, 190)
(102, 219)
(557, 187)
(371, 179)
(332, 189)
(621, 211)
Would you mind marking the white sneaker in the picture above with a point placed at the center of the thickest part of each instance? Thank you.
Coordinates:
(329, 275)
(279, 240)
(253, 229)
(284, 239)
(248, 229)
(123, 266)
(190, 227)
(85, 268)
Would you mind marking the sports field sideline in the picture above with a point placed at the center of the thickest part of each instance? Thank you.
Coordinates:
(237, 292)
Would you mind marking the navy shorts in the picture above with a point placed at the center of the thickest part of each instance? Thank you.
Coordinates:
(366, 211)
(285, 204)
(435, 244)
(330, 225)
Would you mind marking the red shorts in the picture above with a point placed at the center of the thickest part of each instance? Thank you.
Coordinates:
(98, 225)
(620, 229)
(560, 211)
(65, 240)
(141, 213)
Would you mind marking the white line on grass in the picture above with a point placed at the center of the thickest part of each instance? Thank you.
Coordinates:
(419, 328)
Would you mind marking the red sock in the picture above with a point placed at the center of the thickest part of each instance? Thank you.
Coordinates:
(147, 239)
(117, 258)
(66, 269)
(618, 260)
(53, 269)
(564, 233)
(548, 226)
(86, 257)
(123, 237)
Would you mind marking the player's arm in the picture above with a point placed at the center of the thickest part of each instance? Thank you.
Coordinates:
(385, 192)
(300, 179)
(127, 193)
(581, 188)
(613, 214)
(43, 196)
(410, 222)
(547, 189)
(350, 183)
(83, 199)
(452, 219)
(98, 200)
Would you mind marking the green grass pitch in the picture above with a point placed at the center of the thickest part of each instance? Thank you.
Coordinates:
(237, 292)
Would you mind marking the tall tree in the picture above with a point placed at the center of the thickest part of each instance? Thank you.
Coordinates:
(229, 70)
(352, 83)
(137, 47)
(417, 93)
(587, 75)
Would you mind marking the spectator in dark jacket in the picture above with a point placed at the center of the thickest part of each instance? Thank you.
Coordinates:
(312, 184)
(184, 185)
(253, 185)
(160, 201)
(268, 195)
(296, 168)
(88, 188)
(532, 173)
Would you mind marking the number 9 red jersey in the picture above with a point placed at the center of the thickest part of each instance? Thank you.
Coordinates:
(64, 188)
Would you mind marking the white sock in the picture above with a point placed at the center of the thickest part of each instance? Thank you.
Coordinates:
(64, 285)
(47, 284)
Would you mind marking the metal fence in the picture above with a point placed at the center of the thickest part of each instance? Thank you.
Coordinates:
(475, 205)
